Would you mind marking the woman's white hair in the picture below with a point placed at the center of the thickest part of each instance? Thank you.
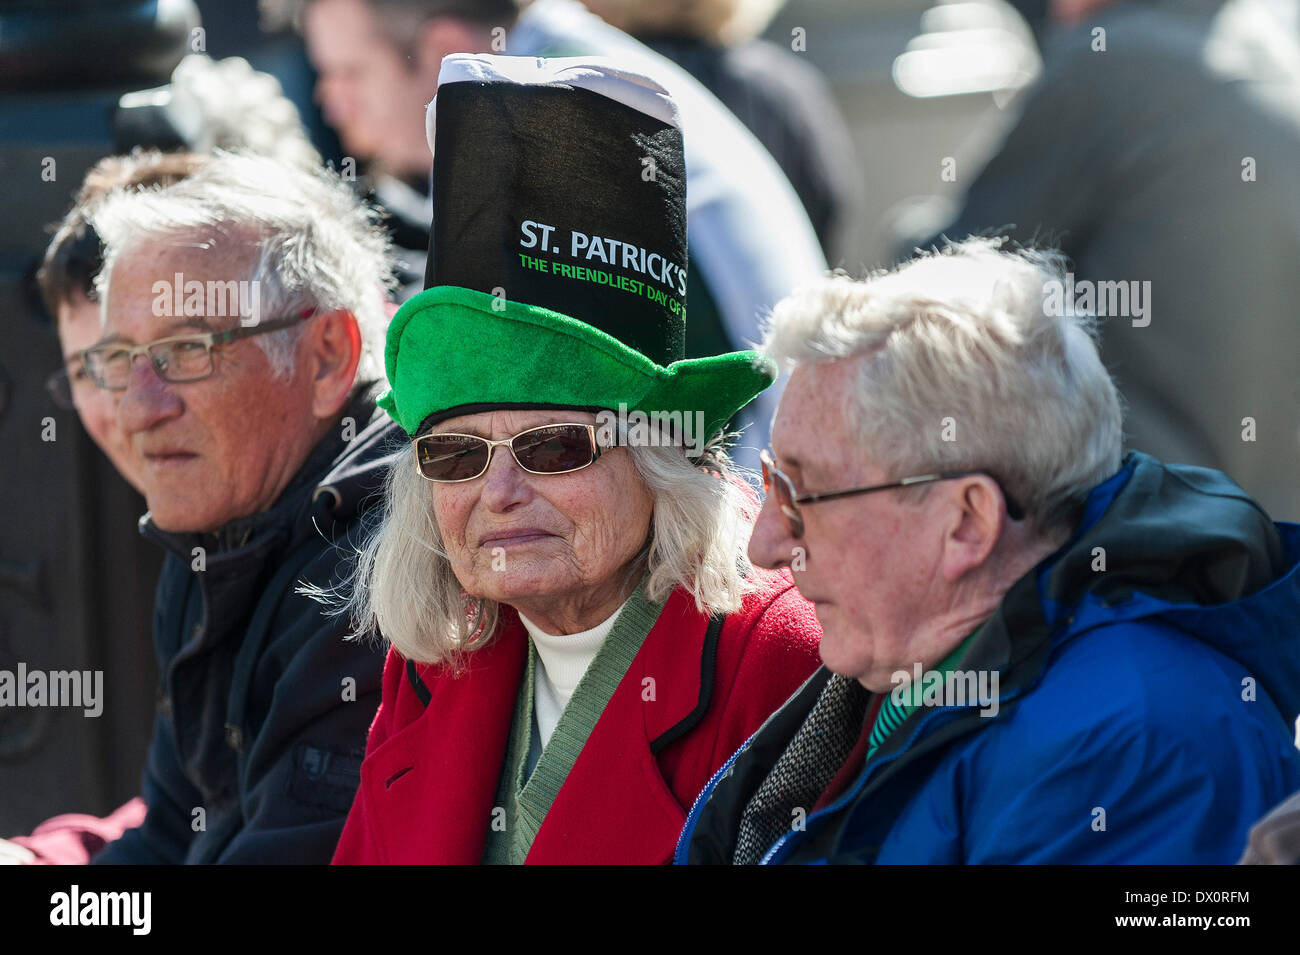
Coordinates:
(405, 589)
(963, 366)
(313, 243)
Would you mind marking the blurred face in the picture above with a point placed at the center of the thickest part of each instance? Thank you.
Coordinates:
(79, 328)
(1073, 12)
(369, 92)
(869, 562)
(553, 546)
(213, 450)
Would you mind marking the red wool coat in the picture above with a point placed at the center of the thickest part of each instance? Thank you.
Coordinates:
(429, 780)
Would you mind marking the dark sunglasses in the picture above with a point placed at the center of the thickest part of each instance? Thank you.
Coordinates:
(775, 481)
(550, 449)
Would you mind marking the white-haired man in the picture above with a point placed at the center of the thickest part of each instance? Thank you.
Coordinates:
(1034, 651)
(243, 312)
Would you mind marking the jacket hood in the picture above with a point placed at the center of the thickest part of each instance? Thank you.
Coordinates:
(1188, 545)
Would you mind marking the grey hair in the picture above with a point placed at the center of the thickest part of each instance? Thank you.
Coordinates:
(963, 365)
(315, 245)
(404, 588)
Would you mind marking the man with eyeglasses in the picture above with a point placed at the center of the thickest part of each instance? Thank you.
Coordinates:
(256, 442)
(1035, 651)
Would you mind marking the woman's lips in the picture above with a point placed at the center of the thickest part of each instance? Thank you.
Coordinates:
(525, 535)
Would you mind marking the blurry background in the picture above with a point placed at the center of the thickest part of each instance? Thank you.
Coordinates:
(916, 81)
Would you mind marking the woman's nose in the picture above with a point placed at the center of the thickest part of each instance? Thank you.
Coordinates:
(505, 483)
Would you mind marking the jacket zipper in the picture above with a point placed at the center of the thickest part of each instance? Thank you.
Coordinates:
(692, 817)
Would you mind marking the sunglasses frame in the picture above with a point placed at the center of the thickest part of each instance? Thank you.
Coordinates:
(596, 450)
(794, 519)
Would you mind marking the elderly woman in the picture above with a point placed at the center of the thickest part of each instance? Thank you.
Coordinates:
(577, 637)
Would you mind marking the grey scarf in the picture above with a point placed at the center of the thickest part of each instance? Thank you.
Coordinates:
(802, 773)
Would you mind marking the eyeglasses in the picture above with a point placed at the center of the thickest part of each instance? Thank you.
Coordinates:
(551, 449)
(60, 385)
(775, 481)
(179, 358)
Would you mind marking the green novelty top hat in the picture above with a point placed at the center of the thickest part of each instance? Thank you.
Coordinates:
(557, 261)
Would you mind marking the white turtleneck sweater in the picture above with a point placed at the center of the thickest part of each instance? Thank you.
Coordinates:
(563, 659)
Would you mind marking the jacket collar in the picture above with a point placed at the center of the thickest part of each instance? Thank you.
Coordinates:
(430, 787)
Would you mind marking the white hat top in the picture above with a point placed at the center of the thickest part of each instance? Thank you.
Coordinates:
(597, 74)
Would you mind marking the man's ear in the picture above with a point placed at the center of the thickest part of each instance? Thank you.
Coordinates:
(978, 516)
(335, 343)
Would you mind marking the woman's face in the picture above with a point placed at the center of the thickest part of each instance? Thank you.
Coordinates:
(551, 545)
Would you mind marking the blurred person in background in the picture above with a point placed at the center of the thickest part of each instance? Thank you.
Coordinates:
(780, 97)
(1159, 150)
(241, 28)
(250, 427)
(226, 104)
(66, 280)
(750, 240)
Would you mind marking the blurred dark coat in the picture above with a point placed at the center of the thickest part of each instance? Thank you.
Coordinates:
(1172, 157)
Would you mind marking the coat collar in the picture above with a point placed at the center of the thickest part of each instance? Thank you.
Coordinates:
(430, 787)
